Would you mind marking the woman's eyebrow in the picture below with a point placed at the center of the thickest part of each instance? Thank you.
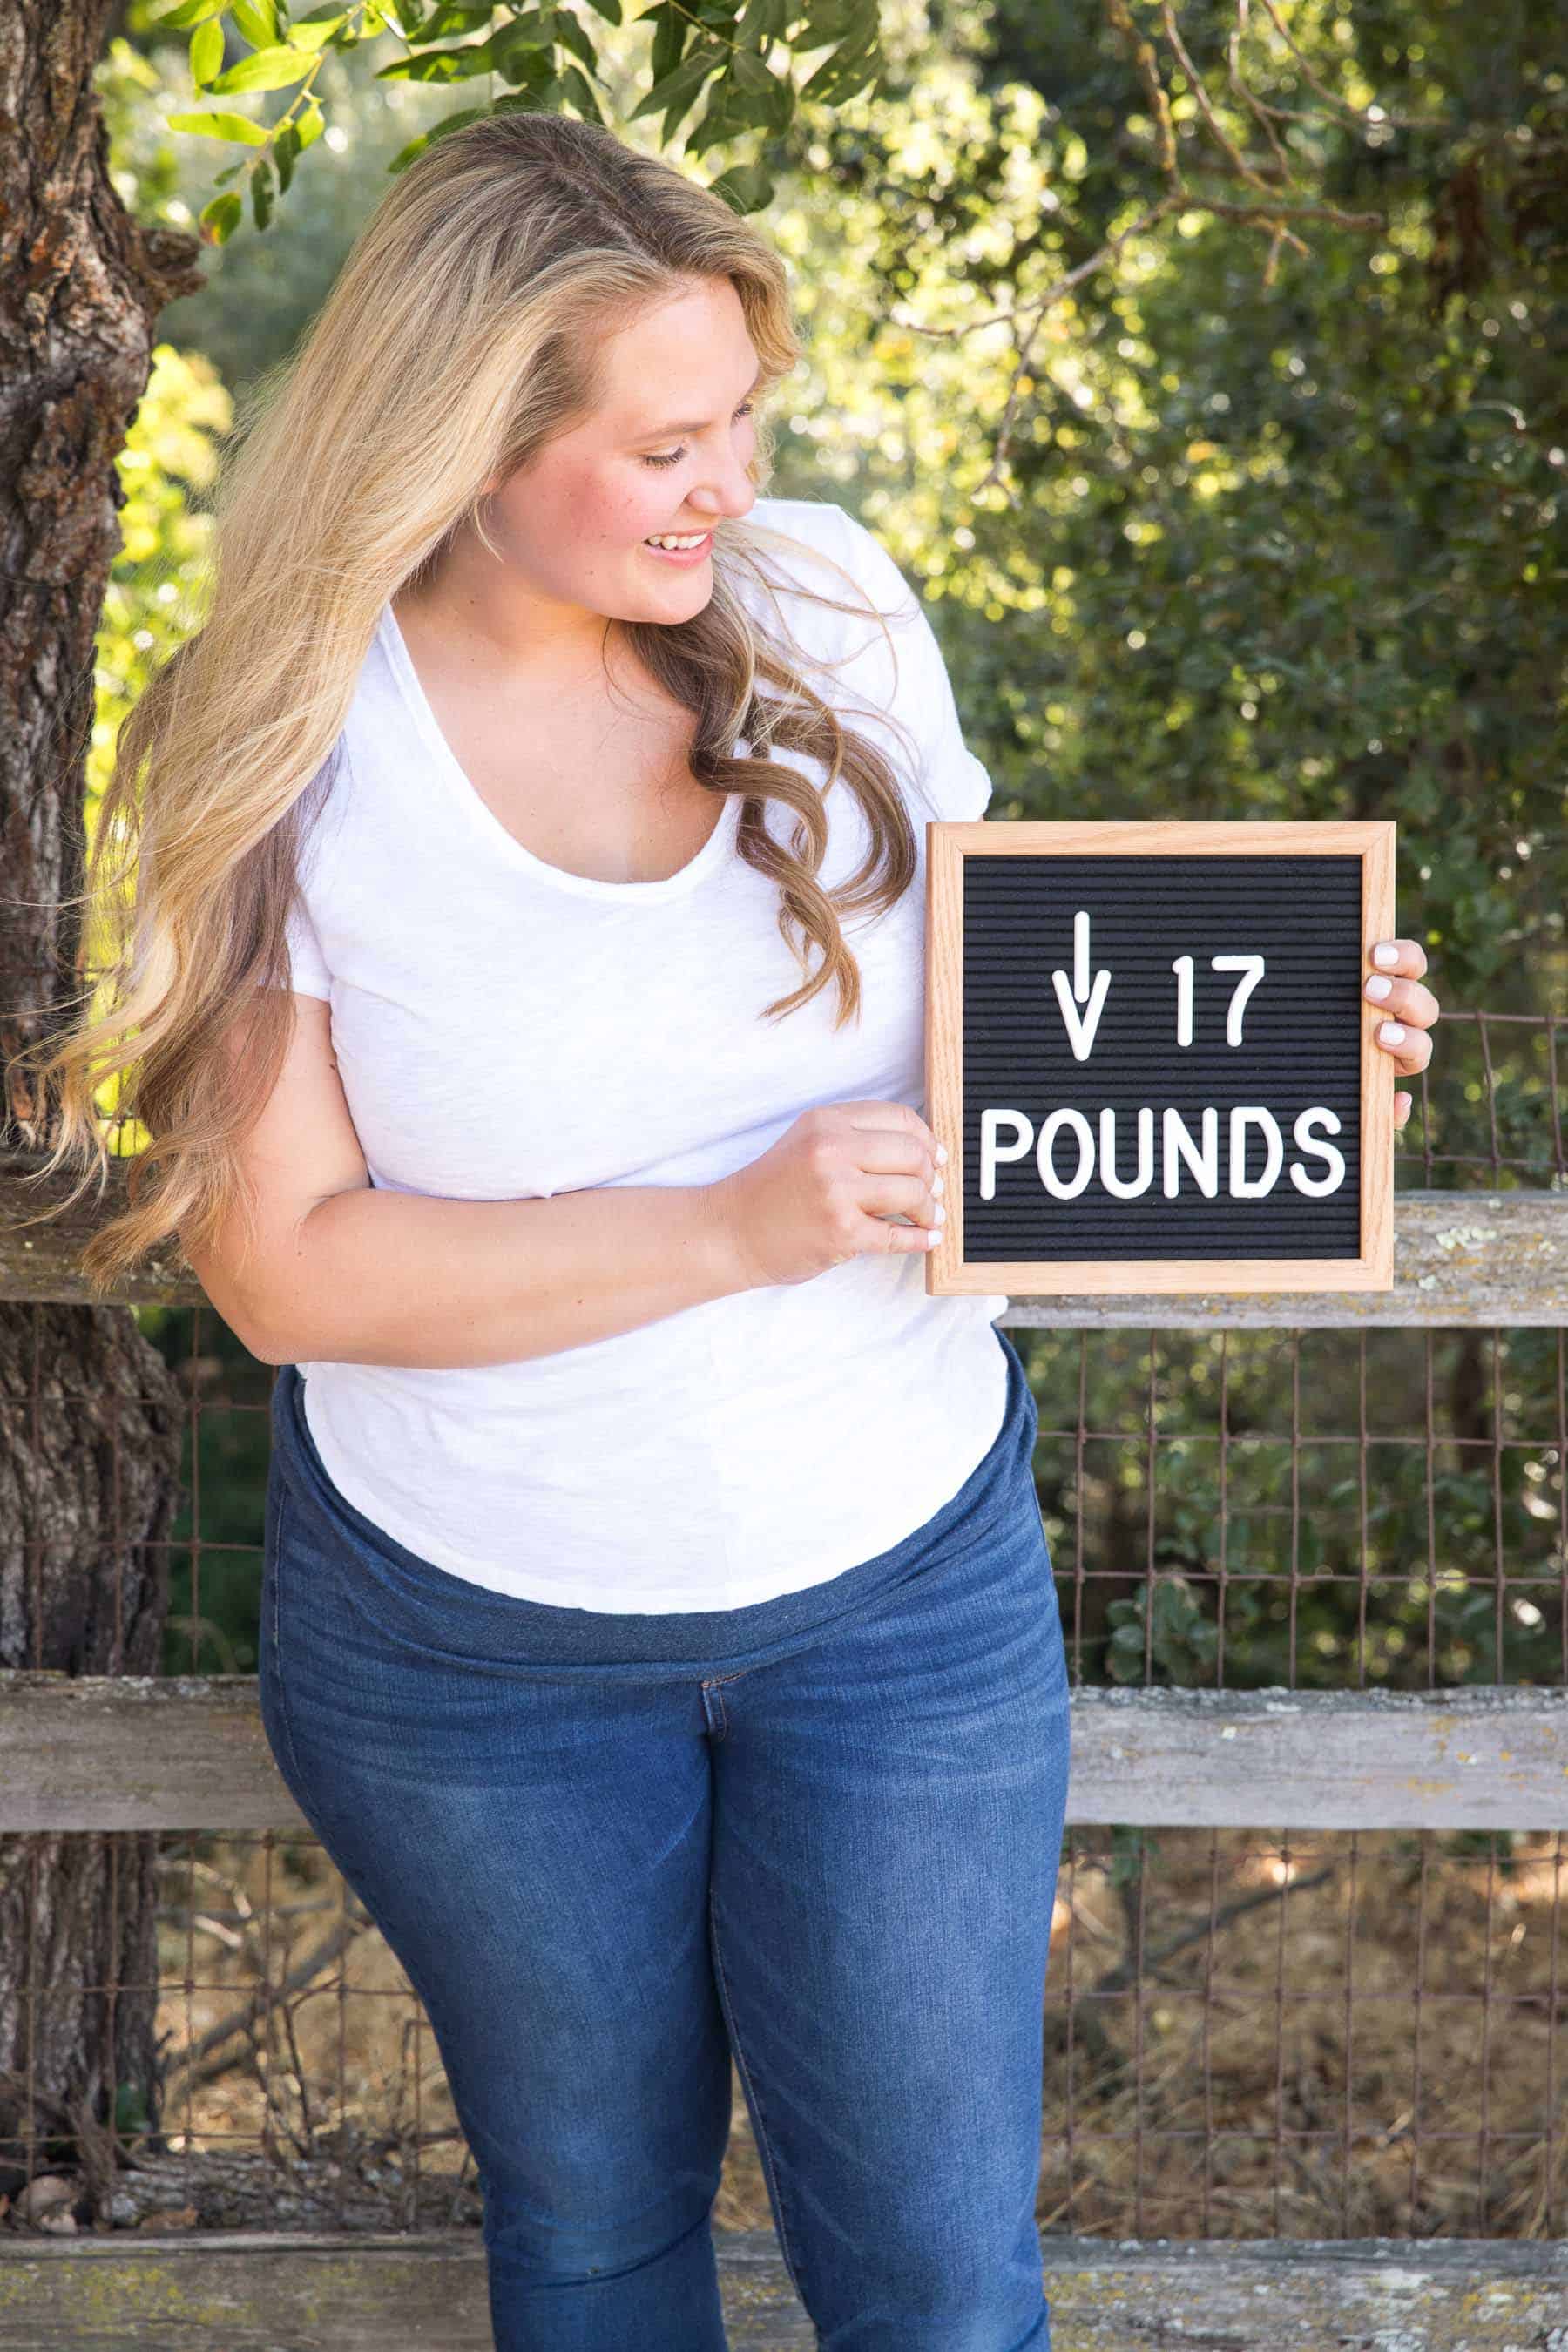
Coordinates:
(693, 424)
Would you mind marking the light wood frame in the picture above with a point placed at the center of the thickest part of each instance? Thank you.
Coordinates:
(948, 847)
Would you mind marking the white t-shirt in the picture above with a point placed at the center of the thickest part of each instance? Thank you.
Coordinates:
(506, 1030)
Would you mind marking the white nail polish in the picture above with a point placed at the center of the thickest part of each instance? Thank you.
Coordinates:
(1385, 955)
(1378, 989)
(1391, 1033)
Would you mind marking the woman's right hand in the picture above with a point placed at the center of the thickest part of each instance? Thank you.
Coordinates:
(822, 1194)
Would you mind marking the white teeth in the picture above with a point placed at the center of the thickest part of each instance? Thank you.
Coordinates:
(669, 540)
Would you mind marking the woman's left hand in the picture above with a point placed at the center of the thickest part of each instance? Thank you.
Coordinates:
(1410, 1010)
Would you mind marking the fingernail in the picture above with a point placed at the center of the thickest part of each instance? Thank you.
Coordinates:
(939, 1185)
(1378, 989)
(941, 1214)
(1391, 1033)
(1385, 955)
(942, 1155)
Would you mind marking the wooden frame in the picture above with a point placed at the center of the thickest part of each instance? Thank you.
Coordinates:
(948, 847)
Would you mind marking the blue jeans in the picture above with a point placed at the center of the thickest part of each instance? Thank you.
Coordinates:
(821, 1832)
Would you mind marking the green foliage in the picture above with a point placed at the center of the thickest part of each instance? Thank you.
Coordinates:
(1133, 1851)
(732, 57)
(169, 458)
(1274, 1560)
(1166, 1623)
(155, 583)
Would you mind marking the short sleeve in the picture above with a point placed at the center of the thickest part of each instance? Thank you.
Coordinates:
(954, 784)
(308, 973)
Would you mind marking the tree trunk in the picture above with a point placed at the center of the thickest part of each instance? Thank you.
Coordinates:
(89, 1439)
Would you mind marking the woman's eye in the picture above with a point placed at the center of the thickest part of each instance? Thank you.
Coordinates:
(675, 456)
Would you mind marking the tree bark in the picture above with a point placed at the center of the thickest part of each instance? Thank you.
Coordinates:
(89, 1437)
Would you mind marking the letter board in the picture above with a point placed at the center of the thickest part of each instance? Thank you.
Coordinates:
(1149, 1057)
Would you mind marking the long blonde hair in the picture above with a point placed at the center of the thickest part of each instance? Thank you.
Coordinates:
(462, 333)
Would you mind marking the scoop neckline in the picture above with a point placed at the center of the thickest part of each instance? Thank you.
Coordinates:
(483, 820)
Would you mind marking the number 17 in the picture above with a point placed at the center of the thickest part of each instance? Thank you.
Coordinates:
(1251, 968)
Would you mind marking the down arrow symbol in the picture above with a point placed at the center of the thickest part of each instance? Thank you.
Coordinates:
(1082, 1027)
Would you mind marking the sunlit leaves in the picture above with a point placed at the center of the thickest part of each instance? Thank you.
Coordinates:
(220, 126)
(733, 57)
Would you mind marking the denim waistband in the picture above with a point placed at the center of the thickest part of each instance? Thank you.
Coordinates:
(551, 1632)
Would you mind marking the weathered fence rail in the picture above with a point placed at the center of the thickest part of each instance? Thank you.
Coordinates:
(1488, 1258)
(188, 1752)
(293, 2292)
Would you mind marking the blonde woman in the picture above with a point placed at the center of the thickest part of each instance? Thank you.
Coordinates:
(526, 974)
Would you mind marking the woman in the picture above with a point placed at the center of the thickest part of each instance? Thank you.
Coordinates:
(658, 1628)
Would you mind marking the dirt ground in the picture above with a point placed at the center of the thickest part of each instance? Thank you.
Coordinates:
(1338, 2036)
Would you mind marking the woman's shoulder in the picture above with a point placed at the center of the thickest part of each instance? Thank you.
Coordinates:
(827, 536)
(843, 594)
(880, 652)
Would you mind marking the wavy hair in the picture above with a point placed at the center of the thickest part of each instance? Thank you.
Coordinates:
(478, 293)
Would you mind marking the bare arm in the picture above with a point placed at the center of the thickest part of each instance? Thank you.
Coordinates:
(383, 1278)
(339, 1272)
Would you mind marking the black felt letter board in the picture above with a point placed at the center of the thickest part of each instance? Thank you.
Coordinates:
(1164, 1075)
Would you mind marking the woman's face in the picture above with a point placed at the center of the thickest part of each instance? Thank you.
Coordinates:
(666, 451)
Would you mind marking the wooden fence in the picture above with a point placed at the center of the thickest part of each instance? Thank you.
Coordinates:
(188, 1752)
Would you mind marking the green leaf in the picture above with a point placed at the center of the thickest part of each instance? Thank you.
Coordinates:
(668, 39)
(259, 20)
(581, 90)
(405, 155)
(261, 194)
(437, 66)
(572, 36)
(206, 53)
(219, 218)
(220, 126)
(746, 189)
(455, 17)
(516, 50)
(188, 13)
(610, 10)
(313, 33)
(265, 69)
(761, 21)
(754, 77)
(675, 93)
(853, 24)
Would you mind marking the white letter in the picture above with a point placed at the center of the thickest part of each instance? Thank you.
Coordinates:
(1205, 1165)
(1048, 1176)
(992, 1153)
(1081, 1026)
(1315, 1187)
(1252, 965)
(1241, 1188)
(1182, 968)
(1107, 1175)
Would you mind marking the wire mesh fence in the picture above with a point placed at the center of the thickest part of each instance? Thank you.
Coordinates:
(1248, 2034)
